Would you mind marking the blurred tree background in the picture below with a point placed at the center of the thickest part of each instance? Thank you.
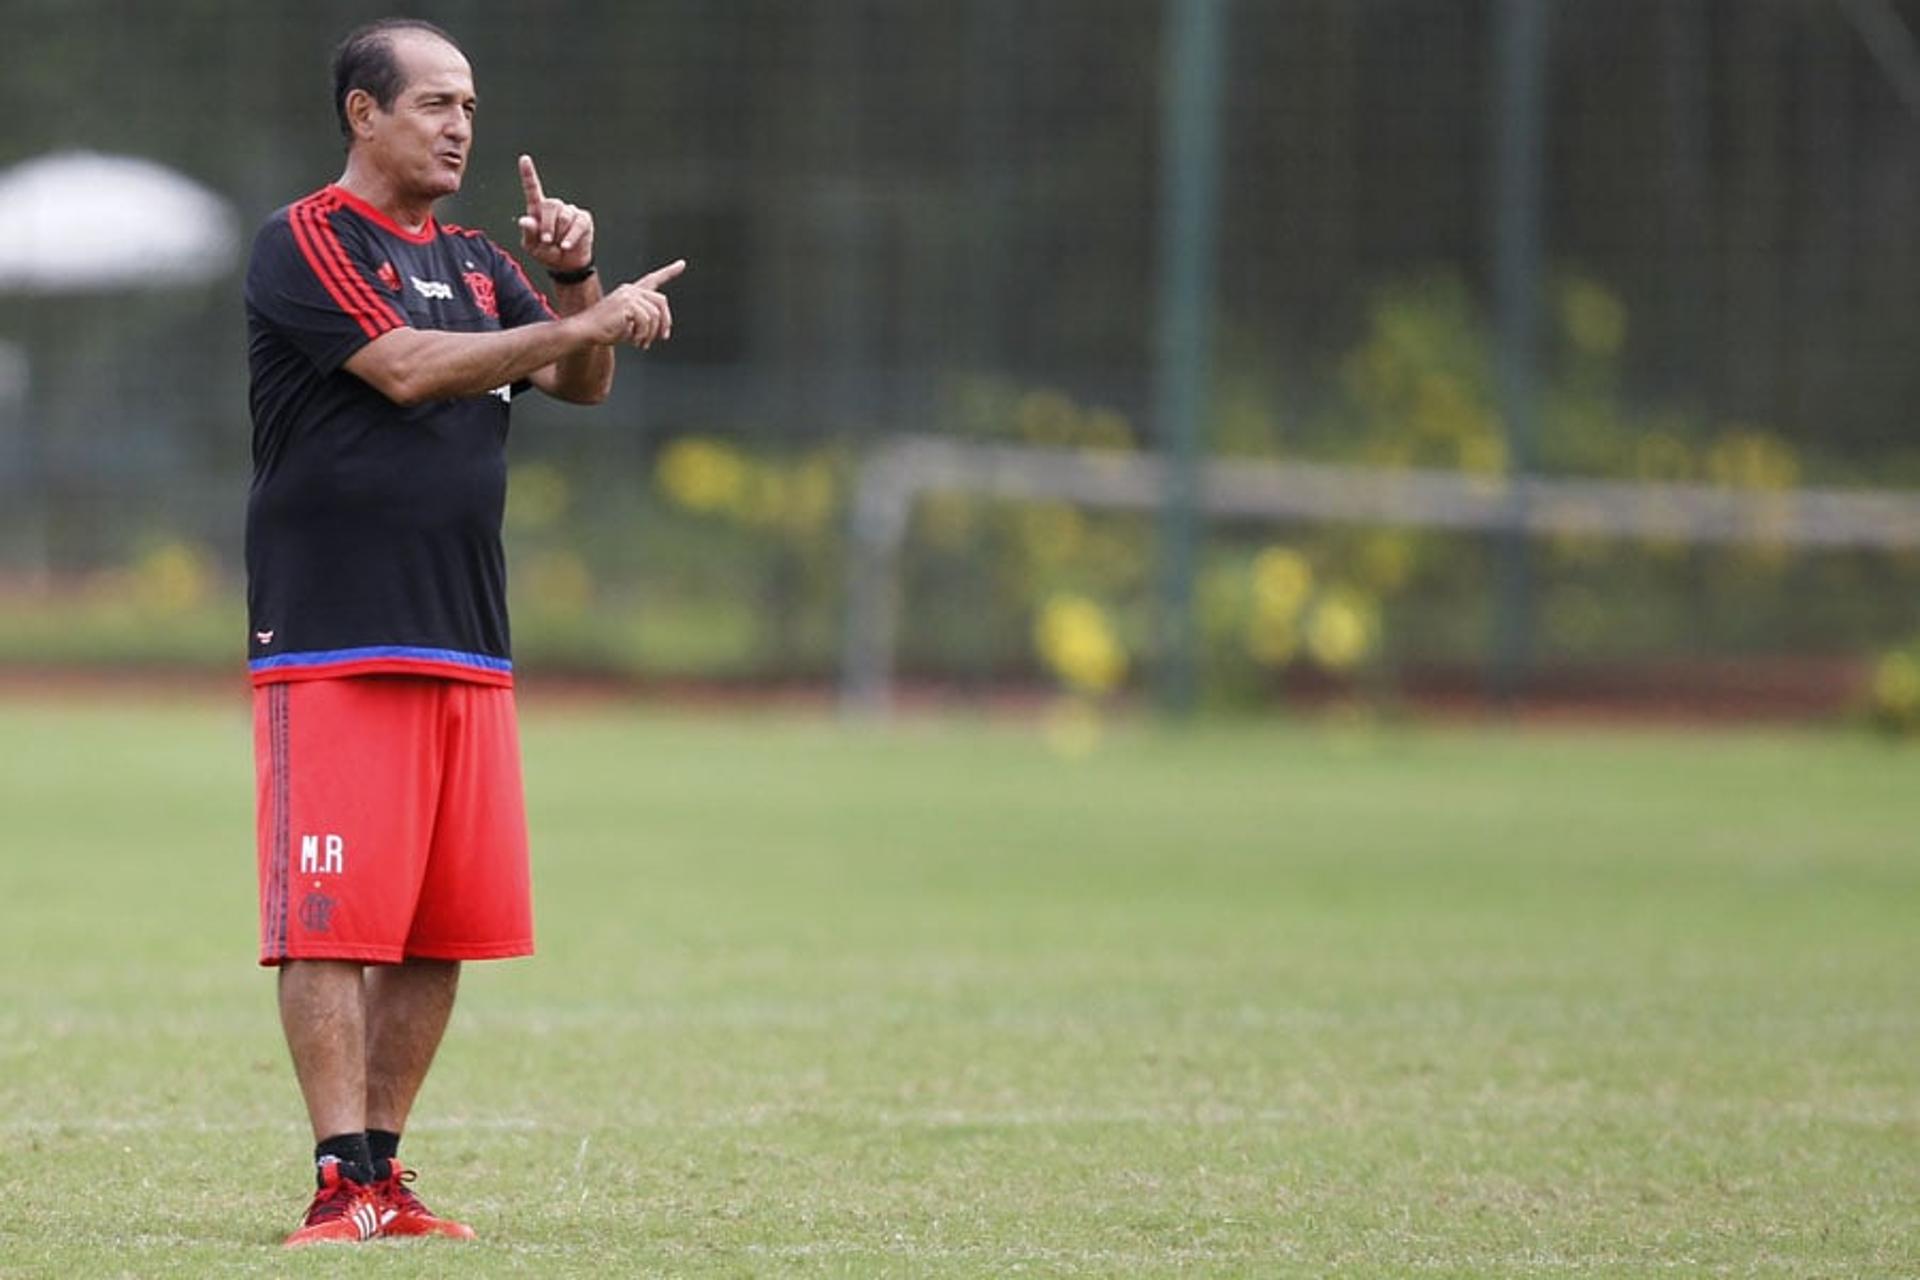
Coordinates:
(941, 217)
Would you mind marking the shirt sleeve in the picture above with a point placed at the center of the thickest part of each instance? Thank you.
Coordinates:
(520, 302)
(313, 288)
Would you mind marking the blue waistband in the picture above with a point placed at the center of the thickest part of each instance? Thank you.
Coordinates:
(372, 653)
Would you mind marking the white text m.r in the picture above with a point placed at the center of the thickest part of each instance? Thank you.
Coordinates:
(316, 861)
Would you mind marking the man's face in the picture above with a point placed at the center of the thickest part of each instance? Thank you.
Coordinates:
(422, 143)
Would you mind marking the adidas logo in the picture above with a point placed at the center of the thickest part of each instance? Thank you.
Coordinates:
(368, 1220)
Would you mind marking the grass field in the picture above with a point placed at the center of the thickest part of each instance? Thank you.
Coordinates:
(1249, 1001)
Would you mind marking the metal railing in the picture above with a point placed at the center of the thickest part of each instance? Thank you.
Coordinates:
(898, 473)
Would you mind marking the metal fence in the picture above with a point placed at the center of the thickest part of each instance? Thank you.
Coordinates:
(907, 216)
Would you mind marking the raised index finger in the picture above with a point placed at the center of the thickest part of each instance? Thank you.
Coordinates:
(654, 279)
(530, 183)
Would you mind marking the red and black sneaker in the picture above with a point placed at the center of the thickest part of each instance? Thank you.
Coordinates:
(343, 1211)
(405, 1213)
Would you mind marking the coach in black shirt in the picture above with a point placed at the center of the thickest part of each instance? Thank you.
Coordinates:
(385, 350)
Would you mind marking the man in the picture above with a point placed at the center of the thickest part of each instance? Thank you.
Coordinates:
(385, 348)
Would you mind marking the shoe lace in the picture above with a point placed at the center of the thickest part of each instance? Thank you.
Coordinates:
(332, 1202)
(401, 1194)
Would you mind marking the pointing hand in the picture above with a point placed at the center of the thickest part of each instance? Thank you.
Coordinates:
(636, 313)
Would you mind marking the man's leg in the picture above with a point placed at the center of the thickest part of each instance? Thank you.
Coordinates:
(323, 1013)
(347, 772)
(407, 1009)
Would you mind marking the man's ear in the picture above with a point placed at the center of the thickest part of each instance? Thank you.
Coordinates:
(360, 108)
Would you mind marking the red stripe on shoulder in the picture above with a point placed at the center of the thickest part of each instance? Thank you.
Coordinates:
(325, 254)
(329, 241)
(336, 205)
(321, 247)
(299, 219)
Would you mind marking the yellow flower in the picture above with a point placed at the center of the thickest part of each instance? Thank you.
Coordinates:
(702, 475)
(1282, 581)
(1896, 685)
(1076, 639)
(1342, 631)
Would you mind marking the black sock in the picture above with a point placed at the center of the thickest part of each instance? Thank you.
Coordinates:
(384, 1145)
(350, 1149)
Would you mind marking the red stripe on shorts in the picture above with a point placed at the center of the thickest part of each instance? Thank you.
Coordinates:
(282, 822)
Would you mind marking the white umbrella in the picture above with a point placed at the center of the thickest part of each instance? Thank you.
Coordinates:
(78, 221)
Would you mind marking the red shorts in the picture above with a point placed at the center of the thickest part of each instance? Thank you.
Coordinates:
(390, 821)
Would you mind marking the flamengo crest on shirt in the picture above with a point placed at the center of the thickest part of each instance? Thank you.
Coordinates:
(314, 863)
(480, 285)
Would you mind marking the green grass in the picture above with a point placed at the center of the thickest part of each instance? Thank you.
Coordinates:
(1246, 1000)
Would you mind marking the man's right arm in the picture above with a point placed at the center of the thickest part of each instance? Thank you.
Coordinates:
(412, 366)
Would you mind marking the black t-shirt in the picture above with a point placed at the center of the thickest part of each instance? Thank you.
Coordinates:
(373, 530)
